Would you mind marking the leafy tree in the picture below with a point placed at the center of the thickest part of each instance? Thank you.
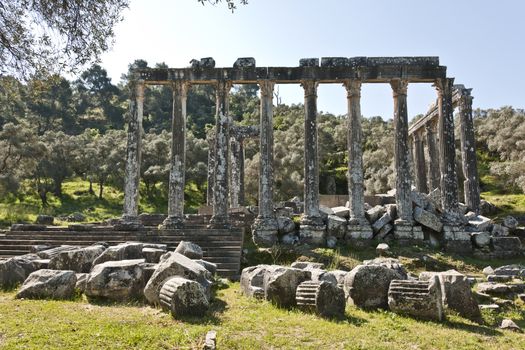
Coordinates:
(49, 103)
(110, 158)
(155, 166)
(19, 150)
(12, 100)
(55, 34)
(98, 104)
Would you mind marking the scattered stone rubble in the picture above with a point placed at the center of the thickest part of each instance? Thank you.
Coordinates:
(502, 286)
(473, 233)
(377, 283)
(180, 281)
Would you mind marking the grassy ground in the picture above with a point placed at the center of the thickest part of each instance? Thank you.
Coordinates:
(77, 199)
(241, 323)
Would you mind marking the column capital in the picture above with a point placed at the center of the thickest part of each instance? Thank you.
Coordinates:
(223, 86)
(310, 87)
(181, 88)
(353, 87)
(444, 86)
(399, 86)
(266, 87)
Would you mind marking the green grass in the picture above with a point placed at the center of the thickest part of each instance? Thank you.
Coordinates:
(241, 323)
(76, 198)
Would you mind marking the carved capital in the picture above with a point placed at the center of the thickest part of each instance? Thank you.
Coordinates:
(223, 87)
(266, 88)
(180, 88)
(399, 86)
(353, 88)
(444, 86)
(310, 87)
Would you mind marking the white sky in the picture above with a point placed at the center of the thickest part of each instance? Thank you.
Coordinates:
(481, 42)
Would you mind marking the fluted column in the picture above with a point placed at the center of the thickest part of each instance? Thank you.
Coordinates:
(401, 151)
(419, 164)
(219, 218)
(468, 151)
(447, 162)
(432, 156)
(312, 228)
(237, 172)
(133, 156)
(355, 154)
(311, 215)
(175, 217)
(265, 226)
(210, 138)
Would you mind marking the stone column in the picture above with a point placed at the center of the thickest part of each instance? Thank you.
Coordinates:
(358, 225)
(432, 156)
(265, 226)
(210, 137)
(401, 151)
(468, 151)
(312, 226)
(403, 226)
(237, 172)
(219, 218)
(447, 163)
(419, 164)
(175, 217)
(134, 143)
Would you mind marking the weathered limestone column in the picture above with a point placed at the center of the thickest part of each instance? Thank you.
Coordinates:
(403, 226)
(175, 217)
(265, 227)
(219, 218)
(237, 172)
(358, 225)
(401, 151)
(432, 156)
(468, 151)
(210, 137)
(447, 163)
(134, 143)
(312, 226)
(419, 164)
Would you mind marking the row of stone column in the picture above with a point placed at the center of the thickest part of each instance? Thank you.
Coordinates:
(428, 166)
(311, 222)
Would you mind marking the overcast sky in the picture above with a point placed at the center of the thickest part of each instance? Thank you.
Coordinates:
(481, 42)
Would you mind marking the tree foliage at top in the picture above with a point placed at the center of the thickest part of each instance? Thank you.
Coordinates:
(55, 34)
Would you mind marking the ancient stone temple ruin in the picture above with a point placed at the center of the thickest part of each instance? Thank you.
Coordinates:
(434, 169)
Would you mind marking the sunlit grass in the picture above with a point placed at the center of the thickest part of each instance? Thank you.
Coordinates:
(241, 323)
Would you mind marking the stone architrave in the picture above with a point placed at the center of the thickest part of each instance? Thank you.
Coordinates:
(447, 159)
(133, 156)
(265, 227)
(402, 158)
(468, 151)
(219, 218)
(356, 200)
(419, 164)
(175, 217)
(432, 156)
